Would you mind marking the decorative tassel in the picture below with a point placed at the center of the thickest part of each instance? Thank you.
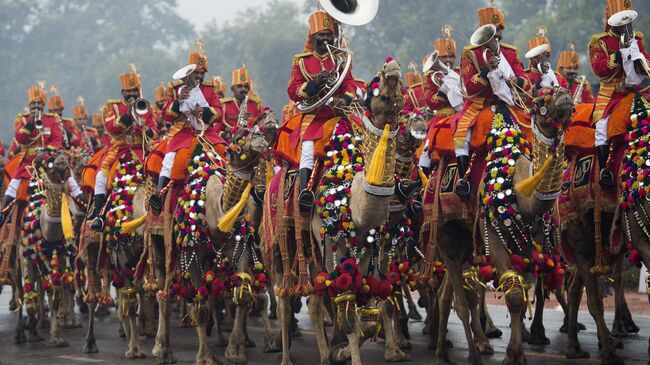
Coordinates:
(527, 186)
(66, 219)
(131, 226)
(423, 178)
(228, 220)
(377, 166)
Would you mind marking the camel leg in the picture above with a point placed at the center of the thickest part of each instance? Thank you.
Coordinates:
(574, 297)
(316, 314)
(392, 352)
(17, 287)
(200, 312)
(273, 309)
(480, 339)
(413, 308)
(400, 322)
(272, 342)
(623, 322)
(56, 302)
(537, 331)
(147, 312)
(284, 313)
(490, 330)
(129, 304)
(236, 349)
(454, 271)
(445, 297)
(162, 349)
(42, 318)
(353, 340)
(90, 347)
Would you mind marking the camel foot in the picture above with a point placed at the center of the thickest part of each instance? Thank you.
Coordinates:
(615, 344)
(493, 332)
(630, 326)
(575, 352)
(272, 343)
(135, 353)
(57, 342)
(484, 348)
(519, 359)
(414, 314)
(396, 355)
(20, 337)
(610, 358)
(166, 357)
(340, 354)
(442, 357)
(207, 359)
(90, 347)
(236, 354)
(538, 339)
(404, 344)
(288, 361)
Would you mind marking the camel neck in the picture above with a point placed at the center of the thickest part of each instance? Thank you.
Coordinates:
(233, 189)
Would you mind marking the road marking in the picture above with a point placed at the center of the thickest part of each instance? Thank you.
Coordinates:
(80, 359)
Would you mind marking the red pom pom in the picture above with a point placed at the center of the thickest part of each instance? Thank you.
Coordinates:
(388, 59)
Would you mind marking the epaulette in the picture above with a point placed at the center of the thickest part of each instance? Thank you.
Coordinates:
(598, 37)
(50, 114)
(174, 84)
(113, 101)
(299, 56)
(256, 99)
(468, 48)
(209, 82)
(22, 115)
(68, 119)
(225, 100)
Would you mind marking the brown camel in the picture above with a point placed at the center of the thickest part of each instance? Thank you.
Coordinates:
(369, 204)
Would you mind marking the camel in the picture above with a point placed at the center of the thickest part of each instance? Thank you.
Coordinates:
(225, 200)
(542, 178)
(370, 194)
(47, 259)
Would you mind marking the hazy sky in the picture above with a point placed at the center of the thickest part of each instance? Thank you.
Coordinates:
(201, 12)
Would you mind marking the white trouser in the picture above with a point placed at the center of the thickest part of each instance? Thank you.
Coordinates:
(100, 183)
(167, 164)
(12, 189)
(601, 132)
(307, 155)
(73, 187)
(425, 158)
(464, 151)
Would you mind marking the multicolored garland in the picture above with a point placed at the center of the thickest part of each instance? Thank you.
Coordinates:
(506, 144)
(344, 160)
(128, 176)
(635, 169)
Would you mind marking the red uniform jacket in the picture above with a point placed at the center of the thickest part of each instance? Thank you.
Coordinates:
(125, 137)
(29, 138)
(416, 98)
(605, 56)
(437, 100)
(74, 135)
(587, 96)
(306, 67)
(231, 113)
(181, 132)
(534, 76)
(474, 75)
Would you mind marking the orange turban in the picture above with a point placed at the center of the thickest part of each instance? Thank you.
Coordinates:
(413, 77)
(79, 112)
(491, 15)
(129, 81)
(240, 76)
(98, 120)
(55, 103)
(320, 21)
(569, 58)
(445, 47)
(540, 39)
(199, 59)
(34, 93)
(614, 6)
(159, 93)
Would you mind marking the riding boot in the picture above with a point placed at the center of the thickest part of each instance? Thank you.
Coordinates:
(462, 188)
(156, 200)
(306, 197)
(606, 175)
(5, 203)
(98, 223)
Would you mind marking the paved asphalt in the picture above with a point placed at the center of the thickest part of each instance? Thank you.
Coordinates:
(304, 349)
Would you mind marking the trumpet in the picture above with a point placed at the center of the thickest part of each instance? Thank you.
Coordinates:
(577, 96)
(442, 70)
(243, 110)
(38, 119)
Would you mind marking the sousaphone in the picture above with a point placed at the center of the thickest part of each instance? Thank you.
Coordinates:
(350, 12)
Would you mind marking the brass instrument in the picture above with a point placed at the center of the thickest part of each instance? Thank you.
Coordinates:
(243, 110)
(486, 36)
(186, 73)
(624, 19)
(577, 96)
(38, 119)
(353, 12)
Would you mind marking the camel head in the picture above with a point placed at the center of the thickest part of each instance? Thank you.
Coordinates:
(412, 133)
(385, 98)
(55, 165)
(247, 146)
(552, 110)
(268, 124)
